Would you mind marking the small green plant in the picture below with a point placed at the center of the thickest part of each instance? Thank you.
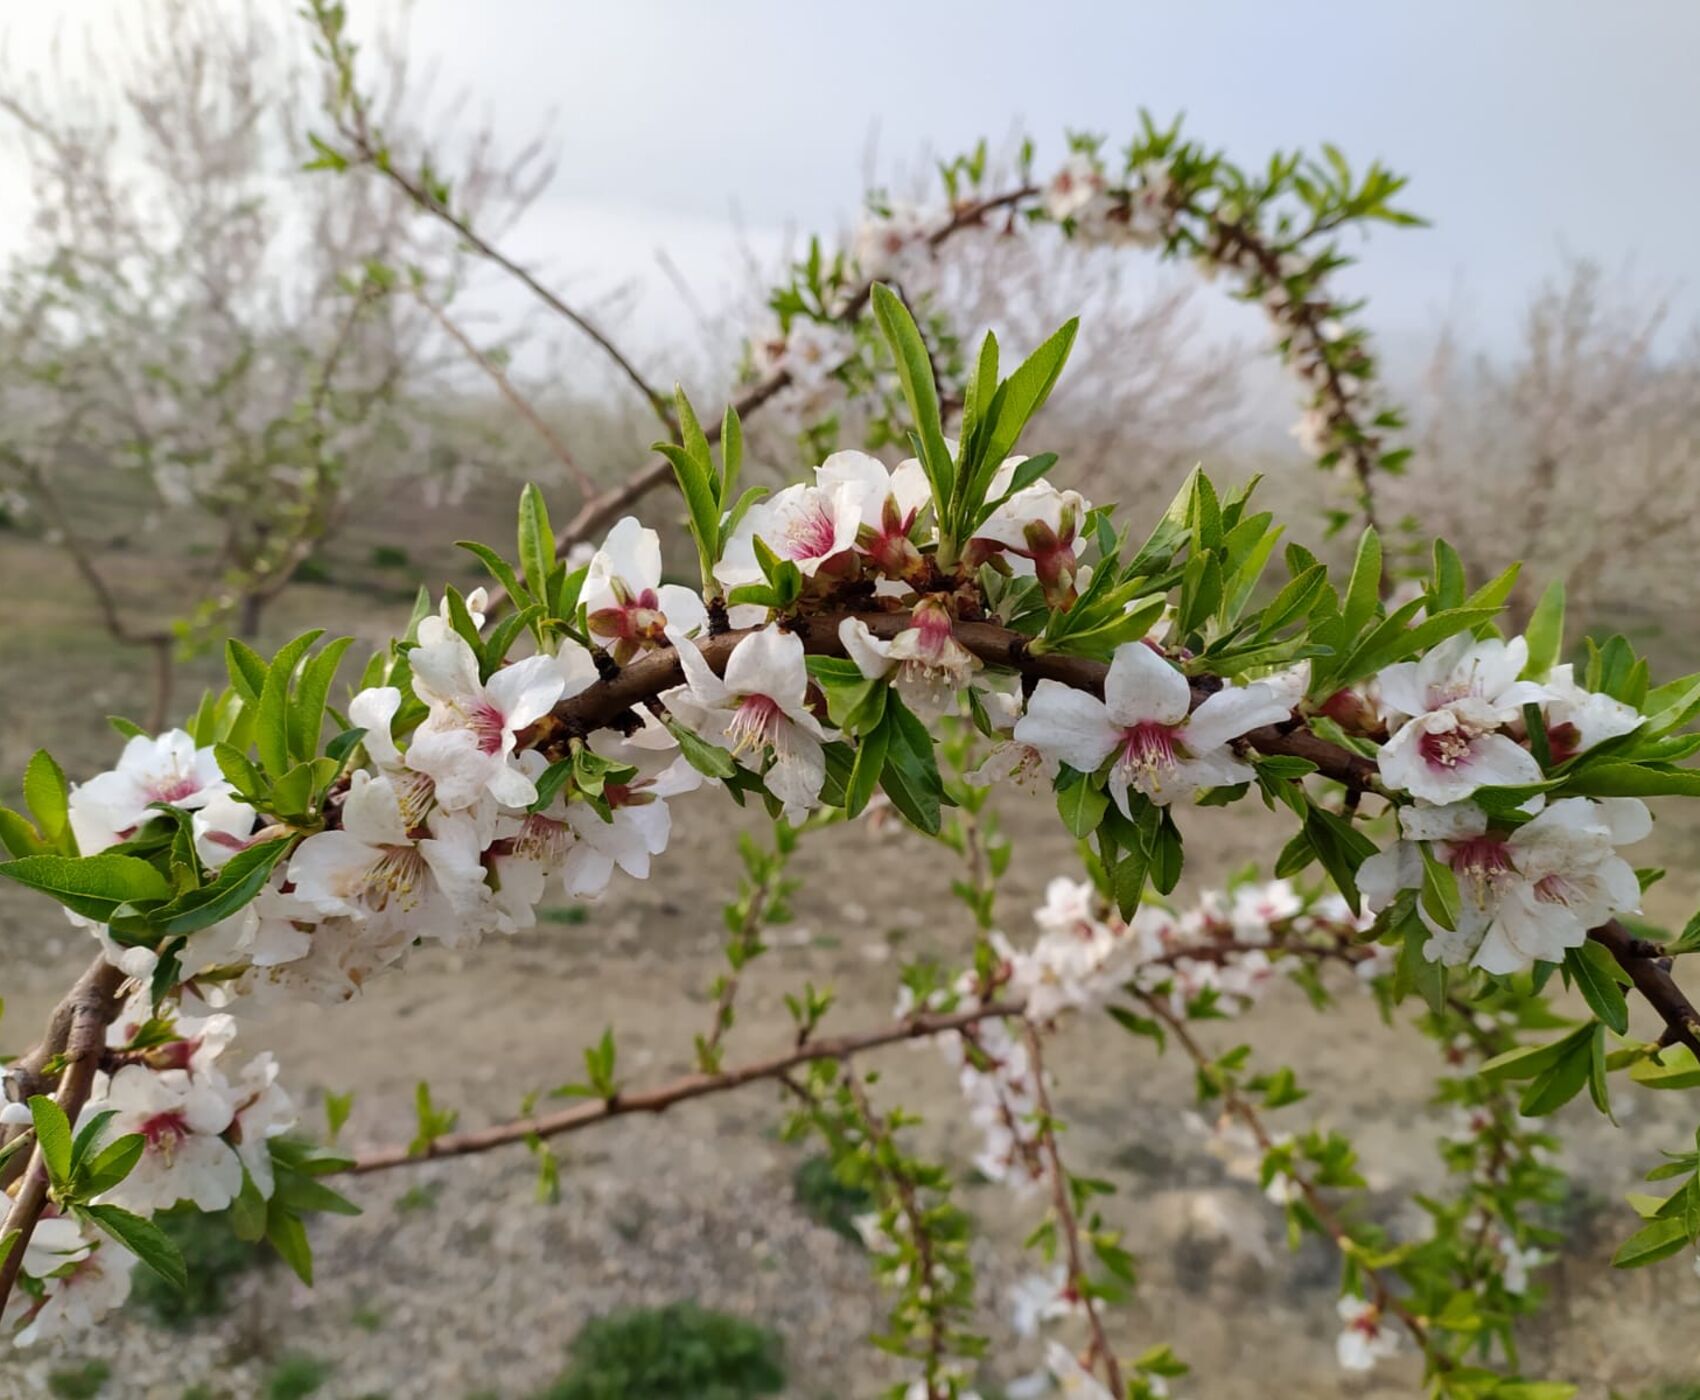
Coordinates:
(678, 1352)
(296, 1376)
(82, 1381)
(214, 1258)
(827, 1199)
(389, 556)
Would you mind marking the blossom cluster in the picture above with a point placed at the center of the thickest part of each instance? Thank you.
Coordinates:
(1219, 957)
(205, 1139)
(1456, 722)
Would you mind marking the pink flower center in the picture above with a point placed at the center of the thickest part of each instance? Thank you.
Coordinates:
(489, 727)
(164, 1131)
(542, 839)
(1555, 889)
(397, 874)
(175, 788)
(1481, 862)
(811, 532)
(754, 724)
(1150, 748)
(1446, 749)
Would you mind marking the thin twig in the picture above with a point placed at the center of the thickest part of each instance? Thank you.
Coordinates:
(690, 1086)
(1066, 1222)
(1385, 1299)
(521, 405)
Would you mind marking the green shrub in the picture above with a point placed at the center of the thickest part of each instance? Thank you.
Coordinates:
(79, 1382)
(214, 1257)
(825, 1198)
(295, 1377)
(679, 1352)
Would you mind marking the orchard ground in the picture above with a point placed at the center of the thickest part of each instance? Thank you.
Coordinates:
(456, 1281)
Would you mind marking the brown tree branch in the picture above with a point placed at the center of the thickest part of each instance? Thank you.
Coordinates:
(1066, 1222)
(690, 1086)
(521, 405)
(602, 704)
(85, 1014)
(1236, 1103)
(1649, 970)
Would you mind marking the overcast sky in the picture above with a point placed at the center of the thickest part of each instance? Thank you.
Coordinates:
(1532, 128)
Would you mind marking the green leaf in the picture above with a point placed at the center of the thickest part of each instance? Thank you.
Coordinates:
(1440, 897)
(53, 1137)
(1545, 632)
(536, 541)
(1363, 592)
(1653, 1242)
(915, 373)
(271, 715)
(112, 1164)
(705, 757)
(1596, 974)
(18, 836)
(47, 794)
(1563, 1079)
(286, 1234)
(248, 1212)
(1021, 396)
(240, 881)
(1082, 807)
(911, 776)
(870, 761)
(247, 670)
(307, 708)
(145, 1240)
(1632, 780)
(1673, 1068)
(87, 1136)
(499, 569)
(92, 886)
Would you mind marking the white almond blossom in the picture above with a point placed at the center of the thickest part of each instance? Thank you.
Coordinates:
(1458, 699)
(1074, 1381)
(811, 525)
(1037, 527)
(1037, 1299)
(111, 807)
(1076, 186)
(374, 710)
(96, 1282)
(1365, 1338)
(627, 605)
(1578, 719)
(642, 823)
(1009, 757)
(1143, 721)
(810, 352)
(890, 242)
(224, 826)
(182, 1115)
(1525, 895)
(931, 667)
(887, 506)
(758, 708)
(263, 1111)
(373, 869)
(466, 744)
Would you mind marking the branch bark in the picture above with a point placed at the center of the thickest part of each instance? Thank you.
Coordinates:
(690, 1086)
(84, 1015)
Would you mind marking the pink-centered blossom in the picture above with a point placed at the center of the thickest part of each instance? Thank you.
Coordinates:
(1144, 728)
(1459, 699)
(758, 710)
